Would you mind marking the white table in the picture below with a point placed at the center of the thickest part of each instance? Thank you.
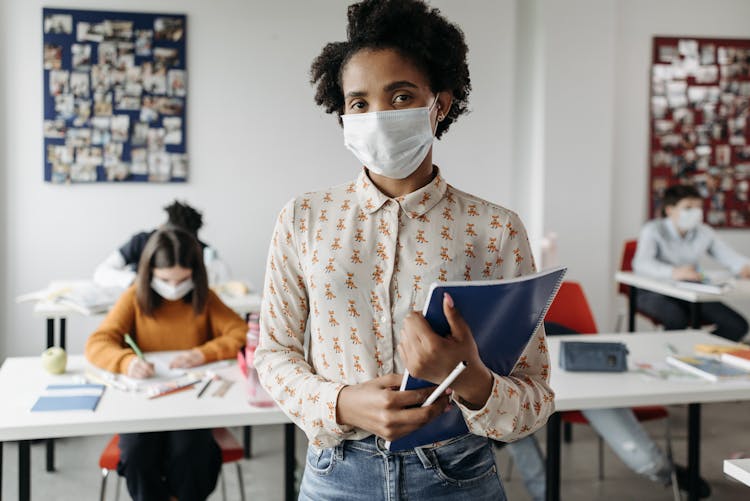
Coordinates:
(22, 379)
(740, 289)
(593, 390)
(52, 310)
(739, 469)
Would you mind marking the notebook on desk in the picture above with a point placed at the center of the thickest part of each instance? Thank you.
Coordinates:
(69, 397)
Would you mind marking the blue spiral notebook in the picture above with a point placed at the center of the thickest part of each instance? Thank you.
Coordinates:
(69, 397)
(503, 316)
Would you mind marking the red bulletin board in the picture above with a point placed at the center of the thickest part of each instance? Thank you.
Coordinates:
(699, 130)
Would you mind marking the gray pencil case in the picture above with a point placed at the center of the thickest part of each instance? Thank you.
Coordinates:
(593, 356)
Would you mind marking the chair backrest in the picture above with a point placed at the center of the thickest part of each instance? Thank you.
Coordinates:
(571, 309)
(626, 262)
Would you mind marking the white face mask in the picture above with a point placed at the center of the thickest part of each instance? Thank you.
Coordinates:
(390, 143)
(169, 291)
(687, 219)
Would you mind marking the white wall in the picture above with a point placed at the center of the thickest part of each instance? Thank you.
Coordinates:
(255, 140)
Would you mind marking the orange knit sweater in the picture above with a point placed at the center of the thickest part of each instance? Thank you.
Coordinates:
(218, 332)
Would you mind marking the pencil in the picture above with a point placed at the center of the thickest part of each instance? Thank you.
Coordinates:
(129, 340)
(205, 387)
(174, 390)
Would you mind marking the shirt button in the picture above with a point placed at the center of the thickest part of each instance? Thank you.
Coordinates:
(383, 319)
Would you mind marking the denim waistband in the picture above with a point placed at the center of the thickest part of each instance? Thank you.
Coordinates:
(374, 443)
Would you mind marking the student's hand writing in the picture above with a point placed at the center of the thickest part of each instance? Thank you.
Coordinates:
(431, 357)
(140, 369)
(687, 272)
(745, 271)
(378, 407)
(187, 359)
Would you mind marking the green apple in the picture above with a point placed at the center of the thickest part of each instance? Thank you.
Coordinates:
(54, 360)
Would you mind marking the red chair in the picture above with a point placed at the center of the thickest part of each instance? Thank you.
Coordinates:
(626, 264)
(571, 309)
(231, 452)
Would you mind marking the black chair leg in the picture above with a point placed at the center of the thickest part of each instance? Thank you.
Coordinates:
(567, 432)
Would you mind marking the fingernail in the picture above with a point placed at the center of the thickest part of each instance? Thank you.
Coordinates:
(448, 299)
(449, 391)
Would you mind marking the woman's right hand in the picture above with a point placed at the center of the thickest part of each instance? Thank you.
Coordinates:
(140, 369)
(686, 272)
(378, 407)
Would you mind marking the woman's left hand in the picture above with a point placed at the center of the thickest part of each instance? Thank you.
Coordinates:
(431, 357)
(188, 359)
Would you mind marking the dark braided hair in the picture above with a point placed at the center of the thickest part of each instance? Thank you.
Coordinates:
(413, 29)
(185, 217)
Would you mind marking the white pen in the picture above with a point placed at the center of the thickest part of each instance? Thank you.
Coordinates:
(445, 384)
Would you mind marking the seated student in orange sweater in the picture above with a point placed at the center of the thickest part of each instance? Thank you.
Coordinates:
(170, 307)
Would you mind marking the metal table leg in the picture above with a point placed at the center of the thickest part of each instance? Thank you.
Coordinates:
(694, 451)
(24, 470)
(50, 443)
(695, 315)
(62, 333)
(289, 462)
(247, 440)
(553, 458)
(632, 306)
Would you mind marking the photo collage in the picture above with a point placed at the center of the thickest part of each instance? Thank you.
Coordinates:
(699, 112)
(115, 94)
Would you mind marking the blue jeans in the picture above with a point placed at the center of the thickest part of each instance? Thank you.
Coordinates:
(462, 468)
(620, 430)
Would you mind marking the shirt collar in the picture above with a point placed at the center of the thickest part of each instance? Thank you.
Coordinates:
(414, 204)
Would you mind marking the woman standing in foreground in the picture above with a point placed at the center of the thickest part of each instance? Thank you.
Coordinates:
(354, 262)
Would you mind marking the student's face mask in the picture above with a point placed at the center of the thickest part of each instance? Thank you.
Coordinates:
(390, 143)
(690, 218)
(171, 292)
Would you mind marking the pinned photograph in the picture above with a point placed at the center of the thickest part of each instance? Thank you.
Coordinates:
(102, 103)
(112, 154)
(159, 166)
(659, 106)
(176, 83)
(79, 84)
(140, 134)
(125, 55)
(668, 53)
(117, 30)
(138, 164)
(155, 83)
(78, 138)
(117, 171)
(173, 128)
(81, 56)
(723, 155)
(88, 32)
(52, 56)
(54, 129)
(165, 57)
(707, 74)
(83, 173)
(107, 53)
(149, 112)
(100, 78)
(170, 105)
(708, 54)
(179, 165)
(82, 112)
(100, 134)
(65, 106)
(89, 156)
(58, 24)
(143, 42)
(58, 82)
(120, 126)
(155, 139)
(688, 47)
(168, 28)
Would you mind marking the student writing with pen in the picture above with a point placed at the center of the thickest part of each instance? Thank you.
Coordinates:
(170, 307)
(352, 264)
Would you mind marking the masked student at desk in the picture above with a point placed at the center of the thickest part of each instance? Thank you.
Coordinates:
(120, 267)
(170, 307)
(670, 248)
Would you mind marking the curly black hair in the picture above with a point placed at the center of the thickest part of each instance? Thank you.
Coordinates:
(184, 216)
(418, 32)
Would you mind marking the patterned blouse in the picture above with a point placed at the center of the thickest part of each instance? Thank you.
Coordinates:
(350, 263)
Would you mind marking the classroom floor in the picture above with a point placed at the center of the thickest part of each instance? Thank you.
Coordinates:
(725, 430)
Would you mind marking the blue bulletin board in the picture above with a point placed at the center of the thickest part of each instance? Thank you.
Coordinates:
(115, 95)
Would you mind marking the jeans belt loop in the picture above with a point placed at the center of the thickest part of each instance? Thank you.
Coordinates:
(427, 457)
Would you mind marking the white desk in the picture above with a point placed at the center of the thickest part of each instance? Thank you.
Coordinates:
(741, 289)
(739, 469)
(22, 379)
(591, 390)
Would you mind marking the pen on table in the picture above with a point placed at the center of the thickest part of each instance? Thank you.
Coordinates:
(445, 384)
(130, 342)
(205, 387)
(183, 387)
